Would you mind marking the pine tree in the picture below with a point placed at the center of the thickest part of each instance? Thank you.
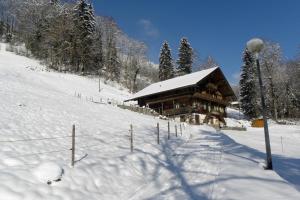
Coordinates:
(166, 68)
(2, 28)
(98, 58)
(185, 58)
(113, 66)
(84, 18)
(84, 21)
(248, 86)
(54, 2)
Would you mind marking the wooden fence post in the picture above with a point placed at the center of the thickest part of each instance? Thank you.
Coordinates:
(157, 133)
(131, 138)
(176, 130)
(73, 145)
(180, 130)
(168, 130)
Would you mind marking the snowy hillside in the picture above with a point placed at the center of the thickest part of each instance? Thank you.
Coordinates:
(38, 109)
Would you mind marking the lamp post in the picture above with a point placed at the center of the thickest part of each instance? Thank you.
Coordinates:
(254, 46)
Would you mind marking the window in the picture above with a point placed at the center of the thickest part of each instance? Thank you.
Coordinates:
(222, 109)
(194, 104)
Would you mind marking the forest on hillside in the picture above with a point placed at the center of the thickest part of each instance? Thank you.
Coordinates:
(69, 36)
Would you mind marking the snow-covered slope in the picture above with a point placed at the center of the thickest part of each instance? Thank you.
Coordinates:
(38, 109)
(37, 104)
(244, 155)
(234, 114)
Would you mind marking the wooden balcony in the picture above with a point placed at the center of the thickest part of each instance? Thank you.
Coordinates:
(211, 98)
(189, 109)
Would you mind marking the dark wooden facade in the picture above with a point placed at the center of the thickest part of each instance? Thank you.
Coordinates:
(207, 99)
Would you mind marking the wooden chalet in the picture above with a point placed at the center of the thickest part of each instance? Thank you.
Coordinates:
(199, 97)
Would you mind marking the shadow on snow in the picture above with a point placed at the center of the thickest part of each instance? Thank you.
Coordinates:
(287, 168)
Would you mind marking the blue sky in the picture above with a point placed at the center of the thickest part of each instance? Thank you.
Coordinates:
(219, 28)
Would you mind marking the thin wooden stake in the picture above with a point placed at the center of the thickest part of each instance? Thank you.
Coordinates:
(157, 133)
(176, 130)
(131, 138)
(180, 130)
(73, 145)
(168, 130)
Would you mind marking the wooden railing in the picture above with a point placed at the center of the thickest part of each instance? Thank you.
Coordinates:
(209, 97)
(186, 110)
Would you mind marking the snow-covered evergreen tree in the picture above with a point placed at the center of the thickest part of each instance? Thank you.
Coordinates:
(84, 18)
(2, 28)
(185, 58)
(55, 2)
(248, 86)
(112, 62)
(66, 37)
(97, 50)
(166, 68)
(84, 22)
(9, 32)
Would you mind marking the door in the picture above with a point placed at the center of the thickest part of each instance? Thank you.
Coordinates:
(197, 118)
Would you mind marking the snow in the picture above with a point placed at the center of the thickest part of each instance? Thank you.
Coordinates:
(236, 118)
(201, 164)
(178, 82)
(234, 114)
(12, 162)
(40, 104)
(233, 123)
(245, 151)
(48, 172)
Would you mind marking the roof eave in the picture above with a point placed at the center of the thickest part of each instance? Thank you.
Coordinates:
(136, 98)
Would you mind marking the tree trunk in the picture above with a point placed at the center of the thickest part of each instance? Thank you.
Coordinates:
(134, 87)
(274, 100)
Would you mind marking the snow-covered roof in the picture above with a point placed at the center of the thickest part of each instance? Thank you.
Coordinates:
(174, 83)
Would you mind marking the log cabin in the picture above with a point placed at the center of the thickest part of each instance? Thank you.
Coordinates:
(197, 98)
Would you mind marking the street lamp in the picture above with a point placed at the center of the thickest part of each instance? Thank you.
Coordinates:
(255, 46)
